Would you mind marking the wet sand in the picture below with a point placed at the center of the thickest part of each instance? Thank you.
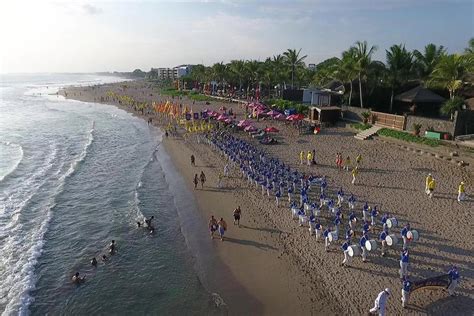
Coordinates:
(283, 267)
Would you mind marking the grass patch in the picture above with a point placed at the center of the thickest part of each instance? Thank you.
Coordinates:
(408, 137)
(193, 95)
(361, 126)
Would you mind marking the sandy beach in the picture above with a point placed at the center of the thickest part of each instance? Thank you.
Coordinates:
(284, 268)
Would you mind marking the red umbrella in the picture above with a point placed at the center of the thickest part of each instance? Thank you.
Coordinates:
(280, 117)
(228, 120)
(295, 117)
(250, 128)
(271, 130)
(222, 117)
(244, 123)
(273, 113)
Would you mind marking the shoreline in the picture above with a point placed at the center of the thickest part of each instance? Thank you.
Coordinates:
(289, 277)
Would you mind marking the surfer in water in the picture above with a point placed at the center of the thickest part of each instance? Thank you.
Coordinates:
(112, 247)
(77, 279)
(94, 262)
(149, 225)
(104, 258)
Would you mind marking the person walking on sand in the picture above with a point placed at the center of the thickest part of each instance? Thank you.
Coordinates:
(317, 230)
(226, 170)
(314, 157)
(431, 187)
(237, 215)
(380, 303)
(362, 241)
(352, 221)
(290, 191)
(309, 158)
(365, 212)
(461, 192)
(203, 179)
(277, 198)
(347, 164)
(427, 182)
(195, 181)
(406, 288)
(301, 157)
(345, 250)
(383, 235)
(373, 216)
(222, 227)
(355, 172)
(403, 233)
(327, 243)
(453, 280)
(404, 257)
(358, 160)
(212, 226)
(219, 180)
(193, 161)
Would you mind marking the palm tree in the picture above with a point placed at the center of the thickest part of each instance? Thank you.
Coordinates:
(237, 67)
(425, 62)
(451, 70)
(293, 60)
(470, 49)
(363, 55)
(278, 62)
(399, 64)
(345, 69)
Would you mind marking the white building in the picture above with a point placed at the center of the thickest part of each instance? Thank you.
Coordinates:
(173, 73)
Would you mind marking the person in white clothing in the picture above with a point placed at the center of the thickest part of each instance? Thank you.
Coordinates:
(380, 303)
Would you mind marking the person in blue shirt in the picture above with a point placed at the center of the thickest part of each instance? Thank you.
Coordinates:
(373, 215)
(337, 222)
(352, 220)
(404, 257)
(453, 280)
(312, 223)
(384, 221)
(322, 198)
(324, 184)
(351, 201)
(318, 228)
(403, 233)
(362, 241)
(349, 234)
(326, 238)
(340, 197)
(406, 288)
(366, 212)
(345, 250)
(366, 227)
(290, 190)
(277, 198)
(383, 235)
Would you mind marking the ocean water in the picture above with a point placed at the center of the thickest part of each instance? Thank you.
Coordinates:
(74, 176)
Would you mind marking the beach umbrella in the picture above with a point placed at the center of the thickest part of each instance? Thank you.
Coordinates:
(250, 128)
(228, 120)
(260, 112)
(222, 117)
(280, 117)
(295, 117)
(273, 113)
(243, 123)
(271, 130)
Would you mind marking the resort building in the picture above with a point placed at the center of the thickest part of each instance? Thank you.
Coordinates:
(172, 73)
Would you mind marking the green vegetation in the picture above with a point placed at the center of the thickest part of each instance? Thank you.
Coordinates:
(192, 95)
(452, 105)
(282, 105)
(376, 82)
(361, 126)
(408, 137)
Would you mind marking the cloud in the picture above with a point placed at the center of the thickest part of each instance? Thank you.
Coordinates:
(90, 9)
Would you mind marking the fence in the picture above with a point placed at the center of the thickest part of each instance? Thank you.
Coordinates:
(388, 120)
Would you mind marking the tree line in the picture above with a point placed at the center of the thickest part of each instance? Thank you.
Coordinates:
(355, 68)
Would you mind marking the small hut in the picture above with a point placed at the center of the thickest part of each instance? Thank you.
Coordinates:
(422, 99)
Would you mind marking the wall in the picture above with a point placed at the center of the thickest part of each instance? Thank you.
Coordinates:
(464, 123)
(438, 125)
(352, 113)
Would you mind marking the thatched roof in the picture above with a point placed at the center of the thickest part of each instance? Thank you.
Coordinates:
(420, 95)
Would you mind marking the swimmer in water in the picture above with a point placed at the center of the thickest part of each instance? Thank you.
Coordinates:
(94, 262)
(112, 247)
(77, 279)
(104, 258)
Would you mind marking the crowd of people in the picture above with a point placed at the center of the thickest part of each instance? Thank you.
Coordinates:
(315, 205)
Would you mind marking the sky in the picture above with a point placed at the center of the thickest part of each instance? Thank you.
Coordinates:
(91, 36)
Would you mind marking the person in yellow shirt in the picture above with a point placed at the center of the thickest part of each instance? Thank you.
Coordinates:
(431, 187)
(301, 157)
(427, 182)
(461, 192)
(359, 159)
(347, 164)
(309, 158)
(355, 172)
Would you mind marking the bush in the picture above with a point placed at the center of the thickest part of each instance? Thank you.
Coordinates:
(452, 105)
(361, 126)
(408, 137)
